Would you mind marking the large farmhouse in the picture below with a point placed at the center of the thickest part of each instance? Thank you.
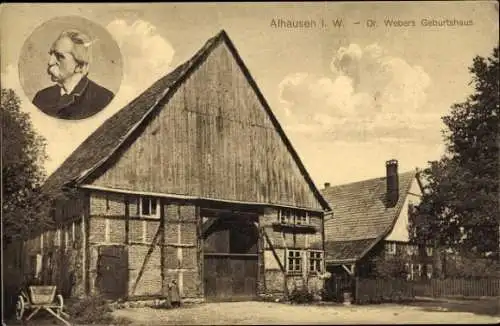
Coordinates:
(193, 181)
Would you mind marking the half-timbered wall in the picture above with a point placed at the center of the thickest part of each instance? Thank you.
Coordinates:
(158, 248)
(277, 241)
(213, 139)
(56, 256)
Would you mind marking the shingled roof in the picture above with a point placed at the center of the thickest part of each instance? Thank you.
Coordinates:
(110, 137)
(361, 216)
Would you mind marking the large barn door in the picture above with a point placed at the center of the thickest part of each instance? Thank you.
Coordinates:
(230, 262)
(112, 272)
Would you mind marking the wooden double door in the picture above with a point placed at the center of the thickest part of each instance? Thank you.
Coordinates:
(230, 259)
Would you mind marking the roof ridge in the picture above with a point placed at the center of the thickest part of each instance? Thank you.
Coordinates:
(367, 180)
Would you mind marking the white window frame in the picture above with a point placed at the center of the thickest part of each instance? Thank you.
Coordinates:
(419, 270)
(301, 218)
(297, 255)
(156, 214)
(285, 218)
(429, 251)
(411, 250)
(430, 271)
(409, 271)
(311, 259)
(391, 248)
(292, 217)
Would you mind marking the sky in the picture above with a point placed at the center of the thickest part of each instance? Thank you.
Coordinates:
(348, 97)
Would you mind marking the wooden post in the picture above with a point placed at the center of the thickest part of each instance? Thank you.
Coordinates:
(163, 246)
(199, 248)
(127, 220)
(356, 290)
(85, 242)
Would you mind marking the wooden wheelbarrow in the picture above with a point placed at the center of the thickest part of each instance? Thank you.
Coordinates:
(41, 297)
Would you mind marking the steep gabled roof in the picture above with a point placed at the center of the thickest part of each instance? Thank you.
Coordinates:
(111, 136)
(361, 216)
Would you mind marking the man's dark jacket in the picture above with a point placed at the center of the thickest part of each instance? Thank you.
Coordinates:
(84, 101)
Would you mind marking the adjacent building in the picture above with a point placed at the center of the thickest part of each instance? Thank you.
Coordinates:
(371, 223)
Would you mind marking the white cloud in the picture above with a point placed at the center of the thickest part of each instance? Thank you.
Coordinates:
(146, 56)
(366, 93)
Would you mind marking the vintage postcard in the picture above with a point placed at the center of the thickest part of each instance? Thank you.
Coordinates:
(250, 163)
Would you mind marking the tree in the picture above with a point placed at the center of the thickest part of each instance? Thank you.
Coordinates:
(23, 155)
(460, 205)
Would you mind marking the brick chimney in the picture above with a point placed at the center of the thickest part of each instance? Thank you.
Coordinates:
(327, 185)
(392, 182)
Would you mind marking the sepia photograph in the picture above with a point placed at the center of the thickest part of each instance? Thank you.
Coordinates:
(67, 56)
(319, 163)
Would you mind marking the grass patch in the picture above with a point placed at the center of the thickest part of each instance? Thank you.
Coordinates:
(93, 310)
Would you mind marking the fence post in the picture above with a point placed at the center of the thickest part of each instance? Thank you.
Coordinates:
(356, 289)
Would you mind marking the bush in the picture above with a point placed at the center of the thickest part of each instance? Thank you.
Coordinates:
(301, 296)
(91, 310)
(270, 298)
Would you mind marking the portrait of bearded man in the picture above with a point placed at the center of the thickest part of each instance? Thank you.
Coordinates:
(73, 96)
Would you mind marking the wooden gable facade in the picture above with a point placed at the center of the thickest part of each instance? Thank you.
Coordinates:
(213, 139)
(195, 182)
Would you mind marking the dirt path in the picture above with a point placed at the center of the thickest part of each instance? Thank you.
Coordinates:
(238, 313)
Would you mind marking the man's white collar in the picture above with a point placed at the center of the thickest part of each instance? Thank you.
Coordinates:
(70, 84)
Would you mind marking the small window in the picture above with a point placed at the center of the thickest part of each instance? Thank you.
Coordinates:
(316, 261)
(294, 261)
(148, 207)
(285, 216)
(391, 248)
(301, 218)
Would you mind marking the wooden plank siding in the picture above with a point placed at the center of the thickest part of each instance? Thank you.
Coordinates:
(213, 140)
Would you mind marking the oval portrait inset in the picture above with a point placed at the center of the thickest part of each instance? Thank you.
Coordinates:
(70, 68)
